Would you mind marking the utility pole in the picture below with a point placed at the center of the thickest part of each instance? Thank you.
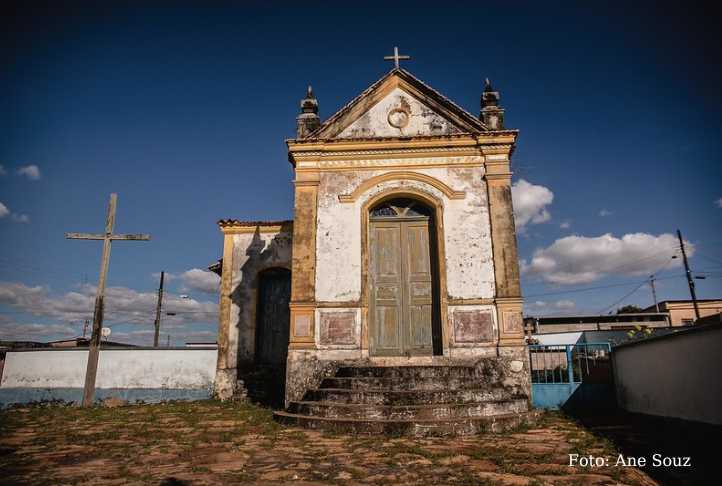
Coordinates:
(167, 343)
(94, 348)
(157, 311)
(654, 292)
(85, 328)
(690, 282)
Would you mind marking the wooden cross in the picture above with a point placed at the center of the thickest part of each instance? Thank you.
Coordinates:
(94, 348)
(396, 58)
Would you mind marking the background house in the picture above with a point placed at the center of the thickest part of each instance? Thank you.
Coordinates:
(681, 312)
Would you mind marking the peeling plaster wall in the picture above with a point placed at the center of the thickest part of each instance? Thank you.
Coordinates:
(132, 374)
(252, 253)
(467, 240)
(417, 119)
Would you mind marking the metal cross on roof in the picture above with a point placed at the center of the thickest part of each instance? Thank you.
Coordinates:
(396, 58)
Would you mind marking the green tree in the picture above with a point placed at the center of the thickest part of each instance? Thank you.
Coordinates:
(629, 309)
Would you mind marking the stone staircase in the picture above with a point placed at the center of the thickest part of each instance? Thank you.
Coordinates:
(408, 400)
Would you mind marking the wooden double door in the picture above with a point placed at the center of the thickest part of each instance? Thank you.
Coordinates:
(402, 286)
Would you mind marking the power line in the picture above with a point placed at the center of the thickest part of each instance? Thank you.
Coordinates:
(707, 257)
(640, 285)
(601, 312)
(585, 289)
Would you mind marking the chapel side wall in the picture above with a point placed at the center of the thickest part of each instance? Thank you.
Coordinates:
(248, 250)
(252, 254)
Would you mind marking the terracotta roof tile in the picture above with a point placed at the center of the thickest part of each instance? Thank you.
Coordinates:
(225, 223)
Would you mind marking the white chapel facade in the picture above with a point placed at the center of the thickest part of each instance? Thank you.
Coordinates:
(402, 248)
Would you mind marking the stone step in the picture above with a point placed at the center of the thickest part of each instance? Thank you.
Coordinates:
(409, 372)
(406, 397)
(411, 427)
(408, 412)
(398, 383)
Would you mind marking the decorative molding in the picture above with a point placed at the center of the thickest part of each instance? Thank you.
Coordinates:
(467, 161)
(240, 230)
(497, 143)
(390, 151)
(302, 333)
(479, 301)
(473, 326)
(401, 176)
(337, 328)
(351, 304)
(298, 183)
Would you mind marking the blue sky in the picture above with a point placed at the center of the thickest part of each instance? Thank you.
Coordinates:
(183, 111)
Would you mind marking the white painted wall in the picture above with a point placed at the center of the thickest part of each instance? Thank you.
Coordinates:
(117, 368)
(467, 235)
(252, 253)
(677, 375)
(422, 120)
(559, 338)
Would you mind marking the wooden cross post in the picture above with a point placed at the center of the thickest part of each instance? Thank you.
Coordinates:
(94, 349)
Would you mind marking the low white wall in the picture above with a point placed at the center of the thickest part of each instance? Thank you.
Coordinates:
(133, 374)
(676, 375)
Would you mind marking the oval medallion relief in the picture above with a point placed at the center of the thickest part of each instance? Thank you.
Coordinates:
(398, 118)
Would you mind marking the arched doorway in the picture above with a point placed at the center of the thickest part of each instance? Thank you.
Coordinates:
(403, 280)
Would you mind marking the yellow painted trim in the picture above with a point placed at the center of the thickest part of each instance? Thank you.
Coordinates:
(398, 166)
(401, 176)
(224, 308)
(492, 144)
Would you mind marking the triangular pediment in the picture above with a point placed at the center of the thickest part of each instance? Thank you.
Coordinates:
(398, 105)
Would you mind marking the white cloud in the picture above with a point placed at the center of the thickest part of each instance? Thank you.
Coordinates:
(17, 217)
(559, 304)
(718, 202)
(565, 225)
(530, 203)
(168, 277)
(32, 172)
(565, 304)
(33, 331)
(2, 171)
(122, 305)
(604, 213)
(201, 280)
(580, 259)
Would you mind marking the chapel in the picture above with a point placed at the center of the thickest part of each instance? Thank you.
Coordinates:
(391, 301)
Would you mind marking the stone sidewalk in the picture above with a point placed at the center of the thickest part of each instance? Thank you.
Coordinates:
(211, 442)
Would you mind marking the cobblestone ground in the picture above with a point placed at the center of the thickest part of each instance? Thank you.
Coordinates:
(211, 442)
